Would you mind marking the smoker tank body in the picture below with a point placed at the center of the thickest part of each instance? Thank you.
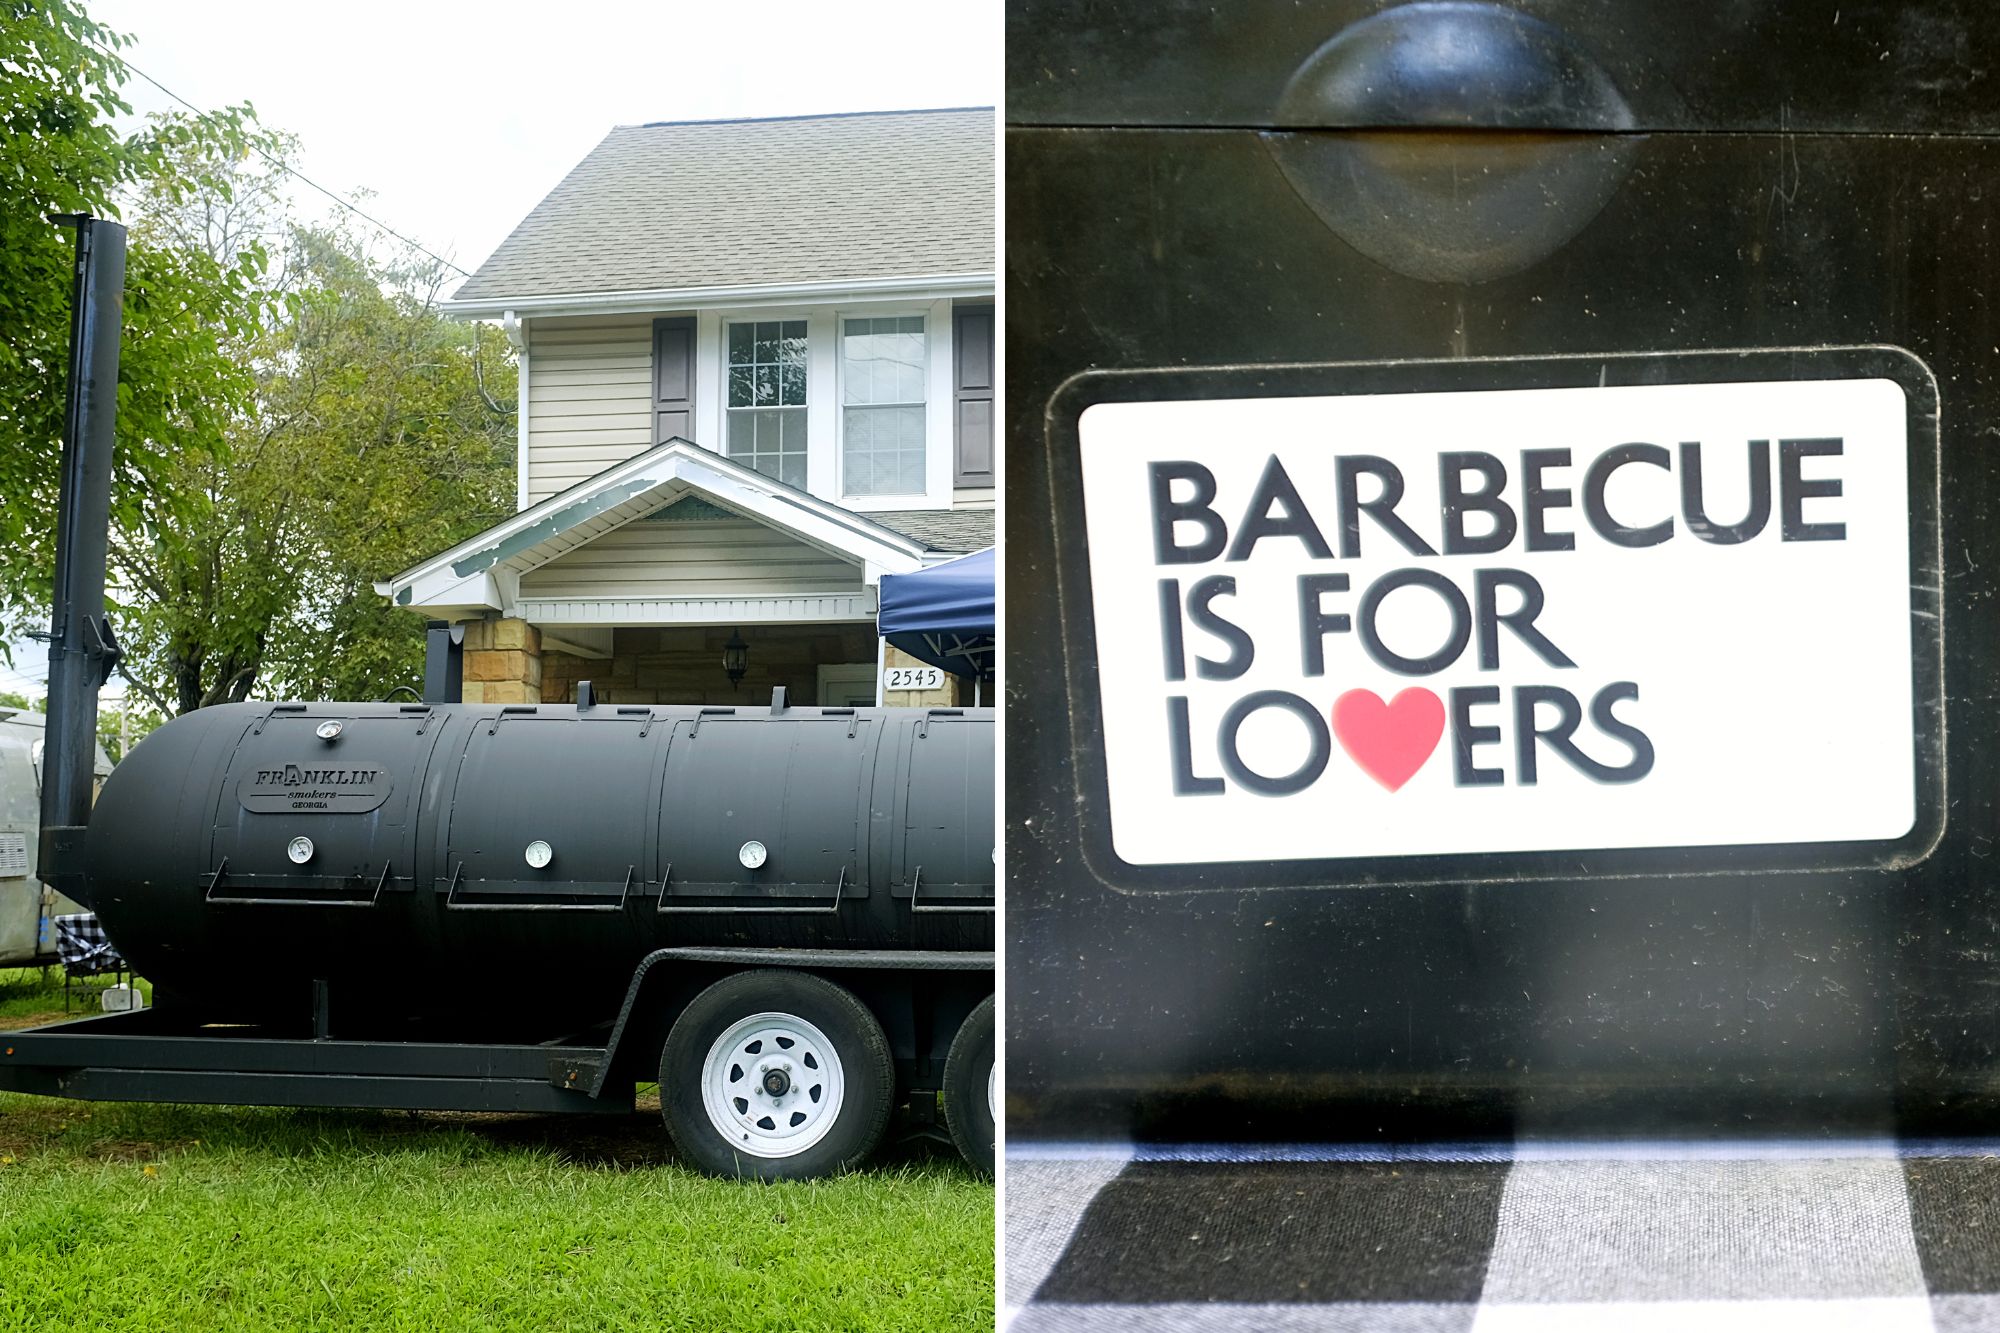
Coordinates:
(243, 852)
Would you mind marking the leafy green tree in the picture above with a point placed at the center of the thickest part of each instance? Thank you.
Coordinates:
(58, 154)
(373, 441)
(296, 419)
(179, 384)
(395, 418)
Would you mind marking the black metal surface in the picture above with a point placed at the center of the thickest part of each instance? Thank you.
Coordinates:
(919, 996)
(65, 1047)
(82, 650)
(1804, 66)
(1456, 65)
(223, 1087)
(1862, 994)
(152, 1056)
(416, 814)
(820, 960)
(444, 662)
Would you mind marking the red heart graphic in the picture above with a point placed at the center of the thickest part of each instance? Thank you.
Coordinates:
(1390, 741)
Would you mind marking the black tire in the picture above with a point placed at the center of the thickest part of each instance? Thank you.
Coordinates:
(969, 1094)
(858, 1051)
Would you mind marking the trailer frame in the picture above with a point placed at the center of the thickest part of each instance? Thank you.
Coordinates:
(163, 1055)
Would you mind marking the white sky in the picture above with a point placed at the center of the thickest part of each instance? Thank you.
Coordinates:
(461, 116)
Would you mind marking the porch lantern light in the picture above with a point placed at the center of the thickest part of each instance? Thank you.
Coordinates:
(735, 659)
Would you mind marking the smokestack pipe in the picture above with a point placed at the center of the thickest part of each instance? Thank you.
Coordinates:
(82, 649)
(444, 663)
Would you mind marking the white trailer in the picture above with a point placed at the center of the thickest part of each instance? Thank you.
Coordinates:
(27, 908)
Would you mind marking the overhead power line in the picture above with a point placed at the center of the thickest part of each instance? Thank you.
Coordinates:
(292, 171)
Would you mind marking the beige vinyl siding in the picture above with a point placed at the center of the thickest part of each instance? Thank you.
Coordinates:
(590, 398)
(712, 558)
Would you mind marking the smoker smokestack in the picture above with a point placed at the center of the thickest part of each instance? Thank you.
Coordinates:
(82, 650)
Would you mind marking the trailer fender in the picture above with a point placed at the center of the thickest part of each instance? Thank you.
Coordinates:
(666, 980)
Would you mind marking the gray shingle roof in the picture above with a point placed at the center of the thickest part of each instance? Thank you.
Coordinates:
(960, 531)
(722, 203)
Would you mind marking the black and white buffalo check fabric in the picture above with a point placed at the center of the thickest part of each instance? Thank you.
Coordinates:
(83, 948)
(1862, 1235)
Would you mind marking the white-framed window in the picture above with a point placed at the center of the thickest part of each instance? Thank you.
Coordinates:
(883, 370)
(765, 397)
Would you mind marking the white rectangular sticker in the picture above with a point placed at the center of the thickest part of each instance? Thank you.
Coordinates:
(1503, 621)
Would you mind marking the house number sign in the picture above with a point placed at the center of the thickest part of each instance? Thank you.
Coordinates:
(912, 678)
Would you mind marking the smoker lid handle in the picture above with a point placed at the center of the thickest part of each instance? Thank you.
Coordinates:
(1447, 64)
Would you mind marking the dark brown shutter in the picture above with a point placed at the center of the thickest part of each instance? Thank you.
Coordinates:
(972, 351)
(673, 378)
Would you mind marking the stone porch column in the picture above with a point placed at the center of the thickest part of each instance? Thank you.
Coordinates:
(503, 662)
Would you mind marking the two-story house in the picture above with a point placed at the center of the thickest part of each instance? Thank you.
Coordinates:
(756, 374)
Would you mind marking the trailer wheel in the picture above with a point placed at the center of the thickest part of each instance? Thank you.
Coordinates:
(776, 1075)
(971, 1095)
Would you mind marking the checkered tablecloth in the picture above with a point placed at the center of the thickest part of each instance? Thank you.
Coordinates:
(1863, 1235)
(83, 948)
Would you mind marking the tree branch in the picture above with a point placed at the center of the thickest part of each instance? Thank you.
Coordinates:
(166, 710)
(222, 687)
(479, 381)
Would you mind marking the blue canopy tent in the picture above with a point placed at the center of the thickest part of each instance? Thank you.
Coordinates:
(943, 615)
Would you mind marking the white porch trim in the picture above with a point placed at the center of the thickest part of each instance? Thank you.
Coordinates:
(772, 608)
(483, 572)
(578, 641)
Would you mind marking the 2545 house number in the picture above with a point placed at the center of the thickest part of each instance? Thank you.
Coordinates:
(912, 678)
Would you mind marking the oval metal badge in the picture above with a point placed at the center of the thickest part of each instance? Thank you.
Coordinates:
(315, 789)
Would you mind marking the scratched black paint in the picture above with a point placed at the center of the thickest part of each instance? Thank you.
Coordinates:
(1151, 228)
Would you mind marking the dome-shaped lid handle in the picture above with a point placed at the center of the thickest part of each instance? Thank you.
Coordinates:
(1451, 64)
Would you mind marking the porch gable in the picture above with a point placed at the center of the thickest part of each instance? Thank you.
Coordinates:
(677, 535)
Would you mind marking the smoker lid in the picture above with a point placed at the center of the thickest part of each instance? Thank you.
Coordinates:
(1822, 66)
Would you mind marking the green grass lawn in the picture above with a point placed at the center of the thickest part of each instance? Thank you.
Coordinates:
(29, 996)
(174, 1217)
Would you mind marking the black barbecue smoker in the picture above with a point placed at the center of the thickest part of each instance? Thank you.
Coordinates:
(785, 914)
(1502, 566)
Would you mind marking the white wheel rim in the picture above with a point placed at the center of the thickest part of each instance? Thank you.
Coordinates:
(740, 1103)
(992, 1103)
